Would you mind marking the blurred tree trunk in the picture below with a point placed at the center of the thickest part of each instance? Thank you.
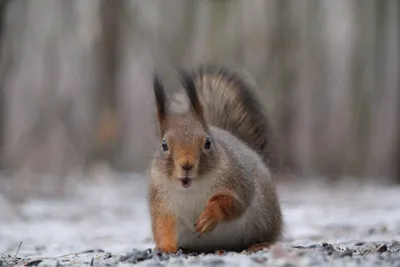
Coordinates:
(384, 119)
(338, 35)
(307, 96)
(50, 90)
(138, 26)
(76, 79)
(154, 36)
(108, 121)
(317, 73)
(3, 71)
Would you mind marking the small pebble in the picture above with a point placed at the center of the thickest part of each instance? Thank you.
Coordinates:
(326, 245)
(214, 262)
(136, 256)
(328, 248)
(394, 247)
(156, 253)
(299, 247)
(382, 248)
(259, 259)
(107, 255)
(33, 263)
(179, 253)
(346, 253)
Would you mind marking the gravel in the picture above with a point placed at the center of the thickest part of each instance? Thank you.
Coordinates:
(369, 254)
(107, 224)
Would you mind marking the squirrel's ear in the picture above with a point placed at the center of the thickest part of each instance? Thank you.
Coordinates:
(159, 94)
(190, 89)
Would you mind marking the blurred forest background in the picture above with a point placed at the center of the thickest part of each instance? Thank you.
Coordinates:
(76, 81)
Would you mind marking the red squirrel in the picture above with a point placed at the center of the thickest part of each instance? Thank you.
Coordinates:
(211, 185)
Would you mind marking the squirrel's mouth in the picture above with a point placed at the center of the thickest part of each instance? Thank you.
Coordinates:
(186, 182)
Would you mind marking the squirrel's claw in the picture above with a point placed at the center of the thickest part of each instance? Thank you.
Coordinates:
(206, 223)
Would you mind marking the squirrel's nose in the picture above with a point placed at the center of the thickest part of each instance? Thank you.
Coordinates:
(187, 166)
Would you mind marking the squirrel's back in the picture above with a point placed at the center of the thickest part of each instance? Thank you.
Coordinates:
(231, 102)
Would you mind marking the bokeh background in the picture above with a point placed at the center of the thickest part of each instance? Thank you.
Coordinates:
(76, 95)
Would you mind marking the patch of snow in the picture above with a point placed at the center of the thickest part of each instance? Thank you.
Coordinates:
(114, 216)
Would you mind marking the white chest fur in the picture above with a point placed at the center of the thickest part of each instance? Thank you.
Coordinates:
(188, 204)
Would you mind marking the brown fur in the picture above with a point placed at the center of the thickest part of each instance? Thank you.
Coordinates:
(209, 175)
(231, 101)
(164, 224)
(221, 207)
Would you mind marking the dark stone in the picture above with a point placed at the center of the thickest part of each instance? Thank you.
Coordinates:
(107, 255)
(346, 253)
(382, 248)
(33, 263)
(309, 247)
(156, 253)
(329, 249)
(136, 256)
(148, 251)
(93, 251)
(394, 247)
(324, 245)
(259, 259)
(214, 262)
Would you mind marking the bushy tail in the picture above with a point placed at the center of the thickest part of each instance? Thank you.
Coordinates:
(231, 102)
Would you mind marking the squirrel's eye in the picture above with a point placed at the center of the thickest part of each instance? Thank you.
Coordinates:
(164, 145)
(207, 144)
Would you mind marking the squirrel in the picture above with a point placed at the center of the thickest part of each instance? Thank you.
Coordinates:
(211, 186)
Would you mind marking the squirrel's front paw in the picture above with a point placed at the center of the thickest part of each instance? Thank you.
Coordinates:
(207, 221)
(167, 248)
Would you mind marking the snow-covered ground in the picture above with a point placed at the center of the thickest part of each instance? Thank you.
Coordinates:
(114, 217)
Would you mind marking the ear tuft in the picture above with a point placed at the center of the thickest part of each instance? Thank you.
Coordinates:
(190, 89)
(159, 94)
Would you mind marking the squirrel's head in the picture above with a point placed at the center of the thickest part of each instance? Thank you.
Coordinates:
(186, 148)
